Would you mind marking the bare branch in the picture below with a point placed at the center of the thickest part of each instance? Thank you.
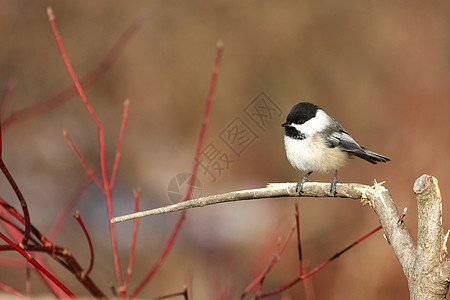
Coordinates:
(310, 189)
(396, 233)
(431, 272)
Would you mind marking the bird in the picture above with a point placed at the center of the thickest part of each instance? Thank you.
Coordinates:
(316, 142)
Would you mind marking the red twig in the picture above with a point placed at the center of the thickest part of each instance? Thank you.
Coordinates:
(91, 248)
(82, 160)
(13, 212)
(64, 212)
(126, 104)
(18, 193)
(299, 245)
(309, 291)
(259, 279)
(321, 266)
(8, 212)
(201, 139)
(38, 266)
(68, 261)
(53, 288)
(137, 195)
(101, 141)
(400, 220)
(6, 96)
(22, 201)
(17, 233)
(11, 290)
(340, 253)
(86, 81)
(183, 293)
(75, 80)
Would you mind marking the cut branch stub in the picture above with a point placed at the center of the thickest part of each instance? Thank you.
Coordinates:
(429, 279)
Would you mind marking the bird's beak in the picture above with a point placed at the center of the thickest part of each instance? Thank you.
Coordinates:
(285, 124)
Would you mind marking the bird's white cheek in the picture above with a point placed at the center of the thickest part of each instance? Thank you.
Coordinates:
(314, 125)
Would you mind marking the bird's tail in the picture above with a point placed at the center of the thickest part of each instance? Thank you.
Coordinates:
(372, 157)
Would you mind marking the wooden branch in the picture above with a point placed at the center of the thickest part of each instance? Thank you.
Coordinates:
(310, 189)
(429, 277)
(425, 266)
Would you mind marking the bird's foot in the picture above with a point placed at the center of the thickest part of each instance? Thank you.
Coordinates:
(333, 185)
(304, 179)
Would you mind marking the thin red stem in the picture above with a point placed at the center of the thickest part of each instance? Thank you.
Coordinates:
(201, 139)
(126, 105)
(11, 290)
(86, 81)
(53, 288)
(137, 195)
(38, 266)
(183, 293)
(17, 233)
(309, 291)
(315, 270)
(290, 284)
(400, 219)
(14, 230)
(22, 201)
(75, 80)
(8, 213)
(275, 259)
(101, 140)
(6, 96)
(13, 212)
(82, 160)
(64, 212)
(212, 90)
(91, 248)
(299, 245)
(321, 266)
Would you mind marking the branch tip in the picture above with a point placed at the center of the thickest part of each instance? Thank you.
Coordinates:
(50, 14)
(126, 103)
(137, 191)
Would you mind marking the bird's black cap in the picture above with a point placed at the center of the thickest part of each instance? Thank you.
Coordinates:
(301, 113)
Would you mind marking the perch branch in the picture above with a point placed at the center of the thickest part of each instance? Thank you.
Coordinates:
(310, 189)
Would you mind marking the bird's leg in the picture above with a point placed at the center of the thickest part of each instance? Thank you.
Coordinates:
(333, 184)
(304, 179)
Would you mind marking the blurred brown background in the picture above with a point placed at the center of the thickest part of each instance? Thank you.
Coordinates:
(381, 68)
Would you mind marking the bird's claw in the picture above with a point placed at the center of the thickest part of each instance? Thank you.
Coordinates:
(299, 187)
(333, 186)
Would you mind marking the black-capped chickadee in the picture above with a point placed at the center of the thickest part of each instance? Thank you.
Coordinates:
(316, 142)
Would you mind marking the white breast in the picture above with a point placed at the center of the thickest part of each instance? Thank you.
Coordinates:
(312, 154)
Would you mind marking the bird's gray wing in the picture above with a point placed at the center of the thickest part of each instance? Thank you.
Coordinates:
(336, 136)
